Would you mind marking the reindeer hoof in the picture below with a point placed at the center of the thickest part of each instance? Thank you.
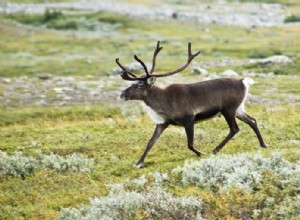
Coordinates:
(202, 153)
(215, 151)
(139, 165)
(264, 146)
(198, 153)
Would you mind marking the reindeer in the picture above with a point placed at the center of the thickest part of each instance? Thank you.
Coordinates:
(186, 104)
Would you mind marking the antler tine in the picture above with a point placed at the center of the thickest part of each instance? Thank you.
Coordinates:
(127, 75)
(158, 48)
(143, 64)
(190, 58)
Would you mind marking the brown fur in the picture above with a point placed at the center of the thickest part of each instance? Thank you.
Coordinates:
(186, 104)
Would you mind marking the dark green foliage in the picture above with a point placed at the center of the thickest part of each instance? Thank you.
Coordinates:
(50, 15)
(63, 25)
(54, 19)
(263, 53)
(292, 18)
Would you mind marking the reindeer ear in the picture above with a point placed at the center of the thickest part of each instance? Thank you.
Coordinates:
(151, 80)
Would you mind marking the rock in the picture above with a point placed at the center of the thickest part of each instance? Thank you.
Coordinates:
(5, 80)
(58, 90)
(64, 81)
(200, 71)
(45, 76)
(62, 90)
(260, 74)
(230, 73)
(277, 59)
(175, 15)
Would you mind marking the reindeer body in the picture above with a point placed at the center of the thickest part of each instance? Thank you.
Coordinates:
(186, 104)
(201, 100)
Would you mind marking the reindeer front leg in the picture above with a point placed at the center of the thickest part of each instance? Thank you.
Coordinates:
(158, 131)
(189, 129)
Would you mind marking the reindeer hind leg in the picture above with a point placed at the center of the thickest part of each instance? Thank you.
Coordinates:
(234, 129)
(244, 117)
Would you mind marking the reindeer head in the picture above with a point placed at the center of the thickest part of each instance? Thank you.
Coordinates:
(140, 89)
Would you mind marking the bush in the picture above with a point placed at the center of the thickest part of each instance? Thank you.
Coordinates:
(243, 171)
(140, 198)
(19, 165)
(73, 163)
(63, 25)
(263, 53)
(229, 176)
(50, 15)
(152, 203)
(292, 18)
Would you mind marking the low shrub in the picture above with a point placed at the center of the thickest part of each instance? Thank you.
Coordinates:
(263, 53)
(63, 25)
(71, 163)
(292, 18)
(228, 176)
(17, 165)
(20, 165)
(243, 171)
(50, 15)
(152, 203)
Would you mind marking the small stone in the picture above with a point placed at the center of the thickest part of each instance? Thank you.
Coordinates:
(230, 73)
(45, 76)
(200, 71)
(278, 59)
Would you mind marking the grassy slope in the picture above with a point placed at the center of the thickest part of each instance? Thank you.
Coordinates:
(42, 194)
(116, 142)
(30, 51)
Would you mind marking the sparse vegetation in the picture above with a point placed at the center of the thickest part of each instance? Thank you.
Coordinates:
(88, 150)
(148, 197)
(259, 53)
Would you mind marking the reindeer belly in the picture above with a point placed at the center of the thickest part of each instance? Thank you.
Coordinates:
(157, 118)
(206, 114)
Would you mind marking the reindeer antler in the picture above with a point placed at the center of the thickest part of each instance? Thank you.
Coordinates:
(143, 65)
(190, 58)
(127, 75)
(158, 48)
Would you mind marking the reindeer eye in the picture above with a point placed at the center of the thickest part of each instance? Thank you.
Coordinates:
(141, 85)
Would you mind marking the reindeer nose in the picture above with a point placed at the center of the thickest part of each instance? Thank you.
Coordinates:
(122, 96)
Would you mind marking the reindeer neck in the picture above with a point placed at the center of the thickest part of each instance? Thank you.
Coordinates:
(155, 97)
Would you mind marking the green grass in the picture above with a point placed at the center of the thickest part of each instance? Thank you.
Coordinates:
(23, 116)
(116, 143)
(30, 50)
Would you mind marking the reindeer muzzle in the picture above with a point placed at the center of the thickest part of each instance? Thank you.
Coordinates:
(123, 96)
